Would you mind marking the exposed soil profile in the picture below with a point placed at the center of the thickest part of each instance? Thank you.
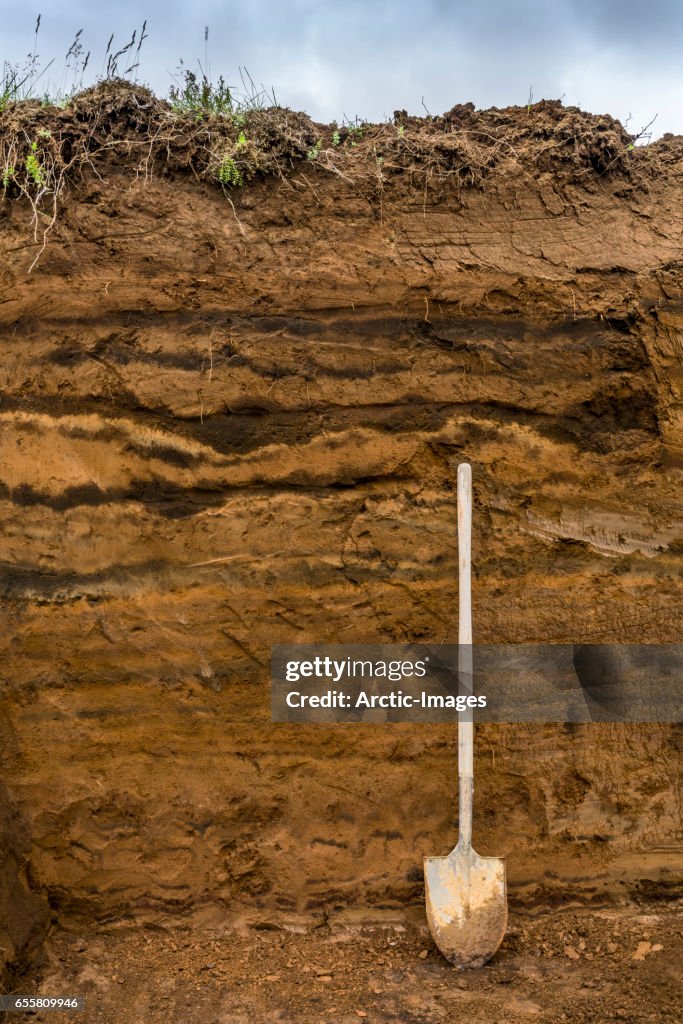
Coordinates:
(231, 414)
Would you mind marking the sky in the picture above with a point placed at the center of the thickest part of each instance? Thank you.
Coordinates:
(367, 58)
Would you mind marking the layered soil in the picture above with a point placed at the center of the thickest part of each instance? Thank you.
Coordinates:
(233, 417)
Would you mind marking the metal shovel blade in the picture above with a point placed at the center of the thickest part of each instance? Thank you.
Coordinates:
(466, 905)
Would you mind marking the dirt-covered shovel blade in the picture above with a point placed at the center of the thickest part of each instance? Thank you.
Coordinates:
(466, 905)
(465, 893)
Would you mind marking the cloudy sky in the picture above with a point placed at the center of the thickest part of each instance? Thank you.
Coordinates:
(368, 58)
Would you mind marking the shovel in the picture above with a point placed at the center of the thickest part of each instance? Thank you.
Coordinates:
(465, 893)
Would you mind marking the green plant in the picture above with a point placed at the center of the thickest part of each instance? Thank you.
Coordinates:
(228, 173)
(9, 85)
(7, 176)
(201, 97)
(336, 138)
(17, 82)
(34, 168)
(355, 132)
(314, 151)
(401, 131)
(241, 141)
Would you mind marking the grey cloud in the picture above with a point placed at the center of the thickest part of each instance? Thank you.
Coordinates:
(355, 57)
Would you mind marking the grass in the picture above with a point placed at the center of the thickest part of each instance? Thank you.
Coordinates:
(192, 93)
(20, 81)
(199, 97)
(210, 120)
(227, 135)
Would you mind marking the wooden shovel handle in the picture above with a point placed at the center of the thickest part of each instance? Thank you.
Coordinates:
(465, 661)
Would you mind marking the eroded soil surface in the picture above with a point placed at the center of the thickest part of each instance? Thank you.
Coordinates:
(574, 965)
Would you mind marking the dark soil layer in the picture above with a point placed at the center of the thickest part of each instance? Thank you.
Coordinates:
(233, 417)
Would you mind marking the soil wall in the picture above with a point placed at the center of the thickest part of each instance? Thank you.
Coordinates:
(233, 421)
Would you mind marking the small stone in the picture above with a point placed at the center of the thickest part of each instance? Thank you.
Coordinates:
(322, 972)
(324, 977)
(642, 949)
(423, 954)
(272, 977)
(361, 1013)
(571, 953)
(612, 947)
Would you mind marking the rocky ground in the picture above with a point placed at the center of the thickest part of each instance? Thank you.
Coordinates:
(575, 965)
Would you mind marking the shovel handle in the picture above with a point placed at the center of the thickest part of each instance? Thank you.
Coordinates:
(465, 729)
